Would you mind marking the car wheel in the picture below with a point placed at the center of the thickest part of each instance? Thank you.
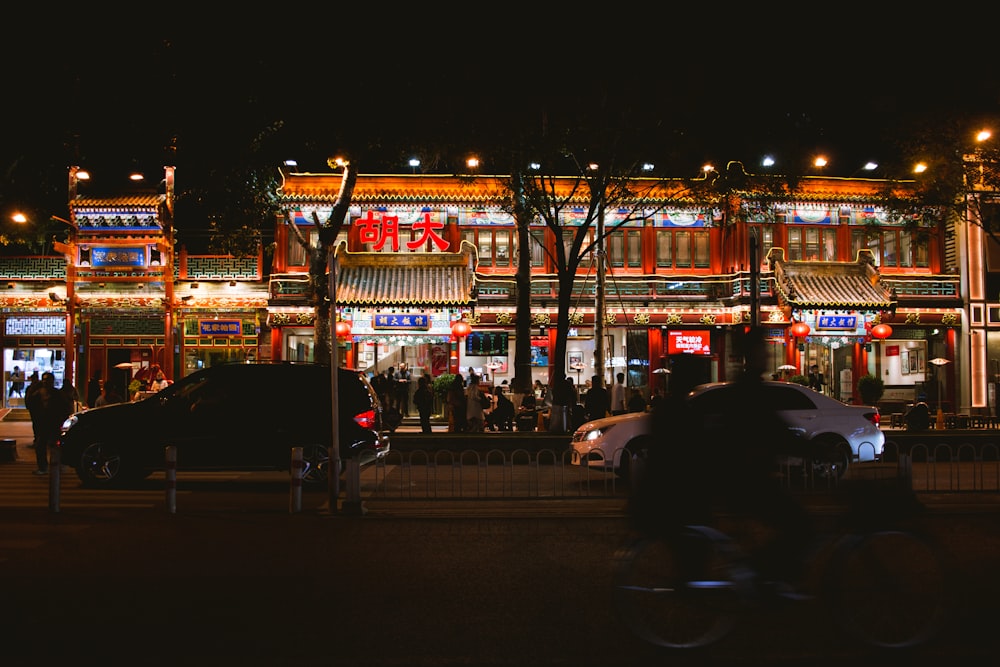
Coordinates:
(101, 465)
(632, 457)
(315, 461)
(833, 457)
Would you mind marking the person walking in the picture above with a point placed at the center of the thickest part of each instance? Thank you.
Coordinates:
(596, 403)
(456, 405)
(655, 399)
(636, 403)
(423, 398)
(619, 396)
(16, 383)
(49, 407)
(475, 415)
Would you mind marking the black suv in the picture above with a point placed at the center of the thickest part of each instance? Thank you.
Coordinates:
(228, 417)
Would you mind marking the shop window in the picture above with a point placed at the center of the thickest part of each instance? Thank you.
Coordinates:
(702, 250)
(297, 255)
(664, 249)
(682, 249)
(891, 247)
(812, 244)
(538, 248)
(765, 238)
(493, 245)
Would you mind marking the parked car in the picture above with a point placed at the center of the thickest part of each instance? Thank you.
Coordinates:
(228, 417)
(838, 433)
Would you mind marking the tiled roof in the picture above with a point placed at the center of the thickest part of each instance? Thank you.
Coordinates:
(406, 278)
(128, 202)
(832, 285)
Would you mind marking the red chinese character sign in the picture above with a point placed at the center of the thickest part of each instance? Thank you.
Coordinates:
(689, 342)
(385, 229)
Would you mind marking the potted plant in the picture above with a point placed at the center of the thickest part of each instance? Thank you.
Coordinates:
(871, 387)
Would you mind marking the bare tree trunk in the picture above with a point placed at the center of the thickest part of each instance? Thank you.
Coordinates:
(522, 350)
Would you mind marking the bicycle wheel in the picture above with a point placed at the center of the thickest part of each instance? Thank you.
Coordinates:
(658, 600)
(889, 588)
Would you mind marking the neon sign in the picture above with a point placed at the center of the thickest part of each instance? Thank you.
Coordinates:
(689, 342)
(385, 229)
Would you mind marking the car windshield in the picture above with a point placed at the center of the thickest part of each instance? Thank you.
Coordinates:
(719, 399)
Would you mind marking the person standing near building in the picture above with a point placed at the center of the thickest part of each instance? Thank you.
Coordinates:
(475, 415)
(596, 403)
(619, 396)
(49, 407)
(423, 398)
(378, 383)
(16, 383)
(456, 405)
(816, 380)
(403, 389)
(636, 402)
(94, 387)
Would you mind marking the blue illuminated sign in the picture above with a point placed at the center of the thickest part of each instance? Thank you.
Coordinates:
(837, 322)
(100, 257)
(219, 327)
(402, 321)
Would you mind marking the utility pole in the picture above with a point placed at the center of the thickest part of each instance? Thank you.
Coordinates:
(599, 302)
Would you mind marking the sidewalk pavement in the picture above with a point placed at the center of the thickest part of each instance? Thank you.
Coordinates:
(21, 432)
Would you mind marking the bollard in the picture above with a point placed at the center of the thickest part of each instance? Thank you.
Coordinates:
(295, 496)
(55, 468)
(353, 505)
(170, 456)
(904, 468)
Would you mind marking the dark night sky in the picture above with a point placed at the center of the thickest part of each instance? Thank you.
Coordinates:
(110, 98)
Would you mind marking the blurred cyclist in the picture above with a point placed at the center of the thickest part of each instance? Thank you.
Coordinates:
(696, 470)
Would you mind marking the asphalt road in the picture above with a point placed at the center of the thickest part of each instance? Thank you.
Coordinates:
(130, 586)
(490, 583)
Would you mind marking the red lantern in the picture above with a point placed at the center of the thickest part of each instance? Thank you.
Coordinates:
(343, 329)
(800, 329)
(881, 331)
(461, 328)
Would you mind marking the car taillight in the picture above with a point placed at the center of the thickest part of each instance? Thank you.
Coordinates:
(874, 417)
(366, 419)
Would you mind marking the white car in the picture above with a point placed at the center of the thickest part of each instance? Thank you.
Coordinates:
(841, 433)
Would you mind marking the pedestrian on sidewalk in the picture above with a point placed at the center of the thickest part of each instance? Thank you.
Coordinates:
(619, 396)
(49, 407)
(423, 398)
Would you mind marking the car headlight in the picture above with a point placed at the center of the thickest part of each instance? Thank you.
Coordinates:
(594, 434)
(69, 423)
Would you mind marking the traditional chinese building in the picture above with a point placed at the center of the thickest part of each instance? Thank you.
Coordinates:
(420, 252)
(120, 298)
(831, 263)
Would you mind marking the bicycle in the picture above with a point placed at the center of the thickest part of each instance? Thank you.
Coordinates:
(887, 587)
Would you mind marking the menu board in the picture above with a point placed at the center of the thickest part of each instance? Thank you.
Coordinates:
(486, 343)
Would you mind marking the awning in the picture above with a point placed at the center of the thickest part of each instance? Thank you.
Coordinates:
(406, 278)
(831, 285)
